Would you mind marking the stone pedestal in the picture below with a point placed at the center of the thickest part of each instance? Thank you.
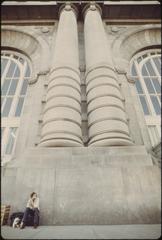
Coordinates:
(62, 114)
(106, 114)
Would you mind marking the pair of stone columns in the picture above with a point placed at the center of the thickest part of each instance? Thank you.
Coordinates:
(107, 121)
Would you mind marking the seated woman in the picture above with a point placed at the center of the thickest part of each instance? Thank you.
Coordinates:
(32, 208)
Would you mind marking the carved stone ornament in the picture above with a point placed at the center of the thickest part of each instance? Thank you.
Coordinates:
(68, 7)
(45, 29)
(130, 78)
(92, 6)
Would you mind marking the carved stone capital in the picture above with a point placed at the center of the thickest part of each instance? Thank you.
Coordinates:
(91, 6)
(68, 7)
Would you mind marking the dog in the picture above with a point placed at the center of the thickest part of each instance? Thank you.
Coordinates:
(16, 222)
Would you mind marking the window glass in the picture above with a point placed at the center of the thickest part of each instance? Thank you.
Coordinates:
(24, 87)
(144, 105)
(6, 108)
(11, 140)
(150, 68)
(17, 72)
(19, 107)
(2, 99)
(27, 73)
(149, 85)
(2, 132)
(3, 65)
(157, 63)
(156, 84)
(156, 104)
(5, 86)
(138, 86)
(144, 71)
(11, 69)
(13, 87)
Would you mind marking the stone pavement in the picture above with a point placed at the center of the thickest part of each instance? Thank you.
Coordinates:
(143, 231)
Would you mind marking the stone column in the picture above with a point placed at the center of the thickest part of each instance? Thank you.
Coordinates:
(107, 120)
(62, 114)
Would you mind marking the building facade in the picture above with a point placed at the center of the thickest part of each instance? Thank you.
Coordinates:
(81, 110)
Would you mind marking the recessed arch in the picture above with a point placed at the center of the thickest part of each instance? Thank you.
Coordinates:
(132, 41)
(29, 44)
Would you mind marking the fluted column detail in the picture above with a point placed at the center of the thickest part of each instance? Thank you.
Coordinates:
(107, 120)
(62, 114)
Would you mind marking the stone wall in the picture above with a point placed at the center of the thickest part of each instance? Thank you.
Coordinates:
(85, 185)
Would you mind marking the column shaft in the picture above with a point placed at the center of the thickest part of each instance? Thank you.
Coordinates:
(62, 114)
(106, 114)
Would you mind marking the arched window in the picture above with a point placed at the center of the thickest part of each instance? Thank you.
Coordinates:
(146, 70)
(15, 72)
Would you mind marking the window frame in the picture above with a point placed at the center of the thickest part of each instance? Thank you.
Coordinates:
(152, 120)
(12, 121)
(140, 77)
